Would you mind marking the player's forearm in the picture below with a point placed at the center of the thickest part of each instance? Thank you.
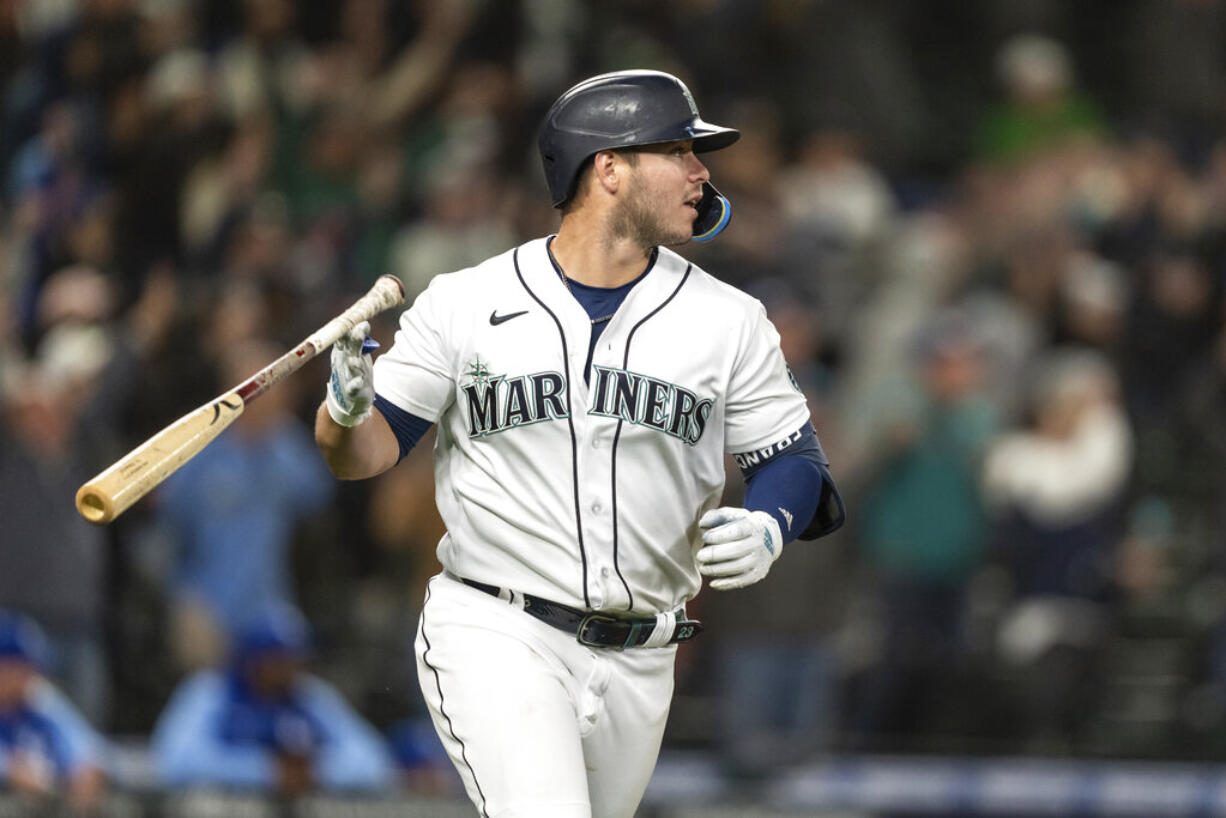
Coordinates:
(356, 452)
(787, 488)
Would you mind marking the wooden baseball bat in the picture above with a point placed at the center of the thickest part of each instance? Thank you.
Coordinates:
(109, 494)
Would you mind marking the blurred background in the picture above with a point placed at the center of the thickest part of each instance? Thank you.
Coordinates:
(991, 234)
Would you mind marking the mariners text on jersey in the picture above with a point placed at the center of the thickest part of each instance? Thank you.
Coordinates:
(497, 402)
(646, 401)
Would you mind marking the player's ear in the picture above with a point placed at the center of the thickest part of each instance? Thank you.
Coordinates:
(607, 168)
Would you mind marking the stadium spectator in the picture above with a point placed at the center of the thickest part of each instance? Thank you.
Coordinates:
(923, 531)
(1057, 491)
(48, 751)
(61, 410)
(1042, 108)
(1175, 316)
(232, 511)
(421, 761)
(460, 222)
(265, 724)
(52, 564)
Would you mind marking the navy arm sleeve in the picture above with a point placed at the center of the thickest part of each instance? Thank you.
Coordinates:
(791, 481)
(407, 427)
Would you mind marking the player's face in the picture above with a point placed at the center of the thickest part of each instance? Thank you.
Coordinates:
(665, 187)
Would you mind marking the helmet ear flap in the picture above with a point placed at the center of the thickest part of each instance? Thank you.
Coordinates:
(714, 213)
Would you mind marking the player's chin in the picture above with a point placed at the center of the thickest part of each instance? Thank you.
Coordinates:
(684, 230)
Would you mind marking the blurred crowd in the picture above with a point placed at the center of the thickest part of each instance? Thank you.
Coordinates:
(992, 236)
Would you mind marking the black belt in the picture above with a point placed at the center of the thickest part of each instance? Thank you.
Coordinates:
(597, 630)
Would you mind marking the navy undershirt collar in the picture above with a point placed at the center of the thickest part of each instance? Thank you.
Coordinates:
(598, 302)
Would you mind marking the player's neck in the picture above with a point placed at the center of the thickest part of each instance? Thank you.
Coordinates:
(590, 256)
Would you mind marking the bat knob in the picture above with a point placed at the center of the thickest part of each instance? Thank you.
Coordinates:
(399, 285)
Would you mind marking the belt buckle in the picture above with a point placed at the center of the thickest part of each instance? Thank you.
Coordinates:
(595, 618)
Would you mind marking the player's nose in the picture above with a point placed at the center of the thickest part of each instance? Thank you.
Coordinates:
(698, 171)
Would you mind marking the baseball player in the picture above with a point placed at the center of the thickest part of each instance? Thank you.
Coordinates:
(586, 387)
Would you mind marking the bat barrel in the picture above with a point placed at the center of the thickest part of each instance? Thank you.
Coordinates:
(94, 505)
(110, 493)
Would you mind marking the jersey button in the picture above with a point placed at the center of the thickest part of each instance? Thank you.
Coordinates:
(604, 572)
(597, 508)
(595, 443)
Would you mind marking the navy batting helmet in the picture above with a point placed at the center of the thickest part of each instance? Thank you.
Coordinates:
(621, 110)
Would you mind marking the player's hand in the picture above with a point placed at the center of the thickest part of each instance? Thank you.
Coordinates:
(351, 389)
(739, 546)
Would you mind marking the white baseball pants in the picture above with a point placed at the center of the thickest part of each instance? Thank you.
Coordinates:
(538, 725)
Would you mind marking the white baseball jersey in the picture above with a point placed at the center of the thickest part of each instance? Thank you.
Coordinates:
(588, 492)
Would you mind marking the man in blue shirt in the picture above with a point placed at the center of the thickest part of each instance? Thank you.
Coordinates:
(233, 511)
(47, 748)
(265, 724)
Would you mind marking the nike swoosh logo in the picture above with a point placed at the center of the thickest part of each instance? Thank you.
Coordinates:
(496, 319)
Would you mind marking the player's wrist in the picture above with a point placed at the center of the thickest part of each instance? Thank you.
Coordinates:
(772, 539)
(345, 416)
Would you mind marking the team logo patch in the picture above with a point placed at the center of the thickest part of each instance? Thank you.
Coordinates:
(497, 403)
(479, 373)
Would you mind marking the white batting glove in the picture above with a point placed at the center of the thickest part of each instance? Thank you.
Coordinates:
(740, 546)
(351, 389)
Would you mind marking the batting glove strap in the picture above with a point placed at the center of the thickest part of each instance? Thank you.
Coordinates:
(337, 411)
(739, 546)
(351, 389)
